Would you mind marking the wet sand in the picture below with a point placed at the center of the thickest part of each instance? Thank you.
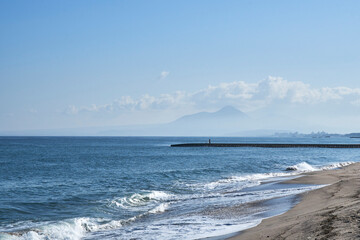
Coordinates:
(331, 212)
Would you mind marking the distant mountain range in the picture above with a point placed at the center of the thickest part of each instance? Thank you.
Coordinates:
(209, 123)
(228, 121)
(199, 124)
(227, 113)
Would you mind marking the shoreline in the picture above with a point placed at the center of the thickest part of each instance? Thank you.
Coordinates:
(329, 212)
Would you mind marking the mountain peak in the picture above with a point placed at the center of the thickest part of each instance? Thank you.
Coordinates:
(227, 112)
(228, 109)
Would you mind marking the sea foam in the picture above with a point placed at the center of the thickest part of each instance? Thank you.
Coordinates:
(67, 229)
(159, 209)
(138, 200)
(305, 167)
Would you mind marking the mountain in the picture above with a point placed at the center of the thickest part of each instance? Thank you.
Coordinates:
(226, 113)
(225, 120)
(219, 123)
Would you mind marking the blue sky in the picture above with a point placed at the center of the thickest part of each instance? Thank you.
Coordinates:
(67, 64)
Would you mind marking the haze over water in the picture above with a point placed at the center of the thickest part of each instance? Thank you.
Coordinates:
(139, 187)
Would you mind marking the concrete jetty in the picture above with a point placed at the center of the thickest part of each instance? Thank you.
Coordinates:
(268, 145)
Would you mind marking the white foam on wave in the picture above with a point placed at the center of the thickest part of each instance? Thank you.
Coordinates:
(251, 180)
(157, 202)
(302, 167)
(197, 225)
(191, 228)
(159, 195)
(160, 209)
(138, 200)
(73, 229)
(336, 165)
(70, 229)
(305, 167)
(241, 181)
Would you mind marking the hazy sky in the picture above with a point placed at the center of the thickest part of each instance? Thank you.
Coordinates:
(96, 63)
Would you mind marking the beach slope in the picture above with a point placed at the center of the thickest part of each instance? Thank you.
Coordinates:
(331, 212)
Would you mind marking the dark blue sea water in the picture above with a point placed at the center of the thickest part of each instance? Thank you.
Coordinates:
(141, 188)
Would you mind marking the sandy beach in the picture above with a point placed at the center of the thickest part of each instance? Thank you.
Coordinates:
(331, 212)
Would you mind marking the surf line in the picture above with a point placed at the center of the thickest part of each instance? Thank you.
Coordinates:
(267, 145)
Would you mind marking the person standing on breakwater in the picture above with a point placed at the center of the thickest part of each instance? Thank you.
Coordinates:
(209, 141)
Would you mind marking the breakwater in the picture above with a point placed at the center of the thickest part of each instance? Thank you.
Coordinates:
(268, 145)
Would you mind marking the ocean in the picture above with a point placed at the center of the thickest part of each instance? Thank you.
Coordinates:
(141, 188)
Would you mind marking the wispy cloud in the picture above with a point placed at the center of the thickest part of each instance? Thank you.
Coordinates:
(164, 74)
(243, 95)
(71, 110)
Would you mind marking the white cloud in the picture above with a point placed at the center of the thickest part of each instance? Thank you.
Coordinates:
(71, 110)
(164, 74)
(243, 95)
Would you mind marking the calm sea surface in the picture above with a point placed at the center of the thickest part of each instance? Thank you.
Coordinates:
(140, 188)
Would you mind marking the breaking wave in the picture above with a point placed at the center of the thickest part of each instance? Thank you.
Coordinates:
(159, 209)
(157, 202)
(241, 182)
(75, 229)
(67, 229)
(142, 201)
(305, 167)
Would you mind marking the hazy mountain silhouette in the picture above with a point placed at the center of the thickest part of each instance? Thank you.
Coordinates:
(226, 113)
(209, 123)
(228, 121)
